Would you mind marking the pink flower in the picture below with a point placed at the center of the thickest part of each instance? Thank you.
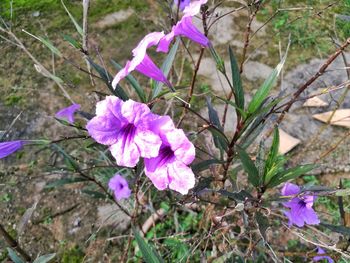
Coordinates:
(170, 168)
(142, 62)
(68, 113)
(185, 28)
(124, 127)
(119, 186)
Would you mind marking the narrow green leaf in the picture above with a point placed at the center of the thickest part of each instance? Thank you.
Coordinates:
(94, 194)
(342, 192)
(148, 253)
(237, 196)
(274, 149)
(72, 42)
(289, 174)
(107, 78)
(236, 81)
(220, 64)
(45, 258)
(264, 90)
(201, 166)
(133, 82)
(65, 181)
(77, 26)
(220, 140)
(243, 114)
(249, 167)
(338, 229)
(13, 256)
(166, 66)
(260, 162)
(46, 42)
(263, 223)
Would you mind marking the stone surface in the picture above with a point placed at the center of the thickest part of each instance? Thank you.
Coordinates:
(254, 70)
(115, 18)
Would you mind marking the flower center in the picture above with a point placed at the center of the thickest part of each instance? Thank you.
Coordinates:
(166, 155)
(301, 203)
(128, 132)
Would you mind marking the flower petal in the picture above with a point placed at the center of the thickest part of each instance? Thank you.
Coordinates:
(134, 112)
(181, 177)
(310, 216)
(159, 177)
(148, 143)
(7, 148)
(290, 189)
(68, 113)
(125, 151)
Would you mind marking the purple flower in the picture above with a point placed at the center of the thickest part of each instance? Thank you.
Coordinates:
(322, 252)
(124, 127)
(170, 168)
(142, 62)
(68, 113)
(185, 28)
(301, 211)
(183, 3)
(119, 186)
(7, 148)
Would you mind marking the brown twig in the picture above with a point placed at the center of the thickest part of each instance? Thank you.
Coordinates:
(311, 80)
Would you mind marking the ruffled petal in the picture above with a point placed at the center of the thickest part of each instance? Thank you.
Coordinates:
(159, 177)
(125, 151)
(133, 111)
(104, 130)
(181, 177)
(148, 143)
(310, 216)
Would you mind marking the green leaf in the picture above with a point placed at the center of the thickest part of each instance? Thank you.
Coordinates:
(220, 140)
(77, 26)
(237, 196)
(289, 174)
(274, 149)
(13, 256)
(72, 42)
(249, 167)
(236, 81)
(166, 66)
(107, 78)
(201, 166)
(133, 82)
(45, 258)
(94, 194)
(342, 192)
(65, 181)
(264, 90)
(338, 229)
(263, 223)
(46, 42)
(220, 64)
(148, 253)
(260, 162)
(233, 105)
(70, 162)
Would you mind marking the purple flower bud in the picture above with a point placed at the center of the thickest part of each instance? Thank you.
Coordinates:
(301, 211)
(185, 28)
(142, 62)
(68, 113)
(119, 186)
(7, 148)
